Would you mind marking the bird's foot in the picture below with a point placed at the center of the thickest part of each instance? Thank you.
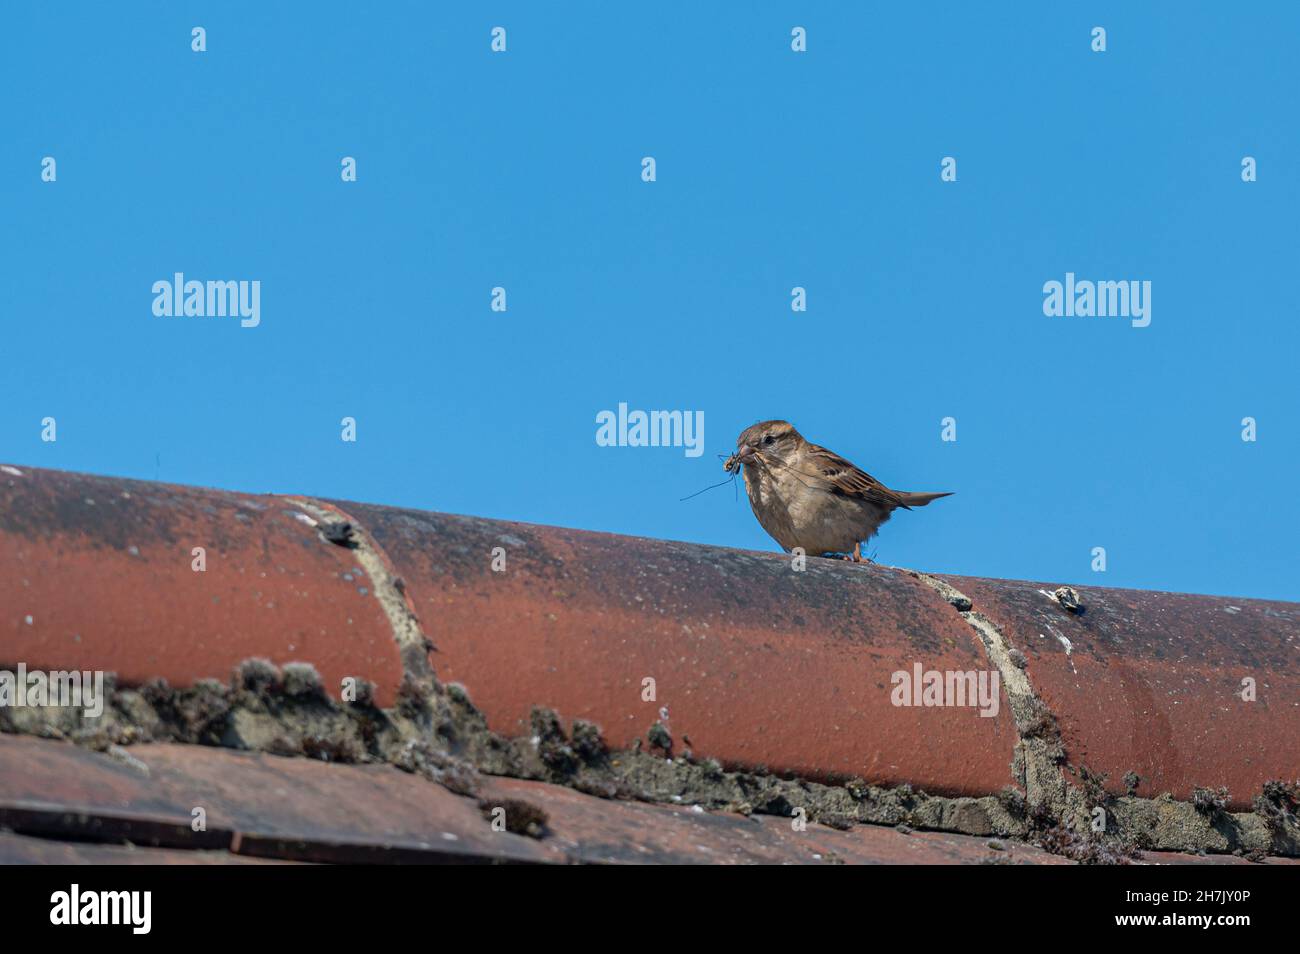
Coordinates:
(857, 557)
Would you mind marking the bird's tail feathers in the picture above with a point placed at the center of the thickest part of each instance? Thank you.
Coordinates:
(916, 499)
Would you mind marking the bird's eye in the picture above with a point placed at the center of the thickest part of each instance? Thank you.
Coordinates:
(769, 439)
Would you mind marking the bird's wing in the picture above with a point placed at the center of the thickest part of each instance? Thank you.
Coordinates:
(849, 481)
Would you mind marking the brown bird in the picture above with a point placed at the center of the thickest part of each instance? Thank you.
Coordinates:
(807, 496)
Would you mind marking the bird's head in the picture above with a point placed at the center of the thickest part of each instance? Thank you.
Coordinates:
(764, 444)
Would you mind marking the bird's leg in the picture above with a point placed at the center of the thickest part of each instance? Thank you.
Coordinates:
(857, 552)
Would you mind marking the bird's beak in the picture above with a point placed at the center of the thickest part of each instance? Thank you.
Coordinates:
(744, 455)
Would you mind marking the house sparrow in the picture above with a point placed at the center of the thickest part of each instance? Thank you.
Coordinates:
(807, 496)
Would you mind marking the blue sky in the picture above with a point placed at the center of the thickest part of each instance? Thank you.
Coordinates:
(774, 169)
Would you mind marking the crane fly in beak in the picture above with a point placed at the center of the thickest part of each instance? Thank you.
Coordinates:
(744, 454)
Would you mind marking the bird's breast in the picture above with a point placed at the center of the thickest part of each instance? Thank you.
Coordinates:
(806, 514)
